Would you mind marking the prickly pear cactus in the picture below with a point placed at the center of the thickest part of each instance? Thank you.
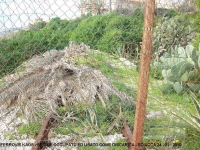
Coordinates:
(182, 70)
(171, 32)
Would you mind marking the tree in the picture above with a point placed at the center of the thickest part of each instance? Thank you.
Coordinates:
(96, 7)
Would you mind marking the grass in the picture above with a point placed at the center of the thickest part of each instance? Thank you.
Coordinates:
(192, 140)
(92, 119)
(122, 78)
(1, 83)
(29, 129)
(126, 80)
(19, 69)
(10, 136)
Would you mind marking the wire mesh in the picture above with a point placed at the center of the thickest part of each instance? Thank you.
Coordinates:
(69, 73)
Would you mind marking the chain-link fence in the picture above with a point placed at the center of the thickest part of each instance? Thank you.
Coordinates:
(74, 74)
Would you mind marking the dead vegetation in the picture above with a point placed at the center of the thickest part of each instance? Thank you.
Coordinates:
(52, 80)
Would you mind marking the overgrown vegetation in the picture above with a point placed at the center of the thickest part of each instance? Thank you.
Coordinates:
(193, 128)
(105, 64)
(104, 32)
(169, 13)
(116, 31)
(39, 38)
(192, 139)
(92, 119)
(29, 129)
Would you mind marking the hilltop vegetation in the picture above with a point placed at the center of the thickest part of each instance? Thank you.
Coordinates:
(109, 33)
(103, 32)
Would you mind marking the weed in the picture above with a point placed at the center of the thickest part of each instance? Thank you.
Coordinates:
(10, 136)
(29, 129)
(92, 118)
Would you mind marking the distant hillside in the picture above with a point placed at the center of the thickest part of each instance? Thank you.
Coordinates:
(8, 32)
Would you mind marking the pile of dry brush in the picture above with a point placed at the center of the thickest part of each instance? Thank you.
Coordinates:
(51, 80)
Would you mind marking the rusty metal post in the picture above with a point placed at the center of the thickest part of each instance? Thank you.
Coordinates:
(42, 138)
(144, 75)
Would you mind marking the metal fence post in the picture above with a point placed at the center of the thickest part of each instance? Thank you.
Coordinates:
(144, 74)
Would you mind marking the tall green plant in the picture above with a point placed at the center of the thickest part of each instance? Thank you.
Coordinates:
(192, 119)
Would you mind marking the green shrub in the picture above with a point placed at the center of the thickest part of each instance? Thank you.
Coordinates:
(110, 32)
(197, 2)
(39, 38)
(28, 43)
(165, 12)
(55, 24)
(89, 31)
(197, 41)
(139, 13)
(156, 72)
(111, 40)
(37, 26)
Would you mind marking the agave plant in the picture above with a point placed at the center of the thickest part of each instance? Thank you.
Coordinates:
(192, 120)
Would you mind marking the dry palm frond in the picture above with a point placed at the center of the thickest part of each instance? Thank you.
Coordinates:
(51, 80)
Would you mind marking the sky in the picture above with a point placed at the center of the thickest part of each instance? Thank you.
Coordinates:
(19, 13)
